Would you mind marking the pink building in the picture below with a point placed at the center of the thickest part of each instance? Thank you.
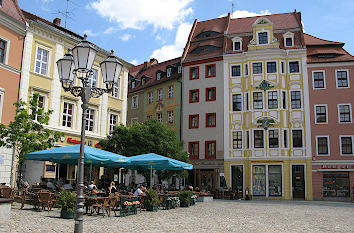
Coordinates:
(331, 91)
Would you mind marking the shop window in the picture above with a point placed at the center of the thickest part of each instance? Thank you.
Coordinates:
(336, 185)
(236, 71)
(194, 96)
(194, 121)
(272, 99)
(259, 180)
(258, 139)
(237, 139)
(257, 100)
(210, 94)
(210, 120)
(295, 99)
(210, 71)
(236, 102)
(194, 73)
(262, 173)
(274, 180)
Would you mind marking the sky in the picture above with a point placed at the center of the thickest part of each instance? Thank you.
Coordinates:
(138, 30)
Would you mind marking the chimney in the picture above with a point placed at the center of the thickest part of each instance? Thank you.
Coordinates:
(56, 21)
(145, 65)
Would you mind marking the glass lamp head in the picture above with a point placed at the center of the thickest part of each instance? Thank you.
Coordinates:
(111, 69)
(84, 55)
(66, 68)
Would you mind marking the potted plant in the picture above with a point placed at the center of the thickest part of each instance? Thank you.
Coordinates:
(185, 197)
(151, 200)
(67, 203)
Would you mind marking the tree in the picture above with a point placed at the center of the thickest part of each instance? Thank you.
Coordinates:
(27, 133)
(148, 137)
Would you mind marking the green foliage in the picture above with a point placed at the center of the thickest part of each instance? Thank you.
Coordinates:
(185, 196)
(151, 198)
(27, 132)
(66, 200)
(148, 137)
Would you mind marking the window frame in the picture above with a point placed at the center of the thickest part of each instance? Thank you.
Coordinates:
(299, 67)
(116, 90)
(317, 145)
(341, 146)
(49, 50)
(193, 157)
(259, 62)
(254, 139)
(240, 73)
(151, 97)
(158, 76)
(190, 121)
(268, 99)
(158, 96)
(302, 138)
(94, 81)
(73, 115)
(315, 113)
(45, 103)
(206, 149)
(170, 89)
(135, 106)
(348, 79)
(276, 67)
(313, 79)
(2, 95)
(206, 94)
(269, 145)
(190, 96)
(291, 100)
(169, 117)
(258, 101)
(268, 37)
(238, 140)
(206, 71)
(191, 72)
(110, 126)
(350, 114)
(94, 120)
(157, 118)
(232, 101)
(6, 50)
(169, 72)
(206, 120)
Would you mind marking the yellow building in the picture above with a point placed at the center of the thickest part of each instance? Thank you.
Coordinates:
(267, 130)
(46, 42)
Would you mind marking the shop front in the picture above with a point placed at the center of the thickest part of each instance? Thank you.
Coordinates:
(206, 174)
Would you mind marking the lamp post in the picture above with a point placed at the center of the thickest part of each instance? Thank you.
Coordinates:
(78, 64)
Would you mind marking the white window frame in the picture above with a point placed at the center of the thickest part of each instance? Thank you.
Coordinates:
(268, 37)
(95, 120)
(313, 80)
(158, 76)
(348, 79)
(49, 50)
(242, 143)
(262, 67)
(236, 39)
(291, 36)
(315, 114)
(232, 102)
(340, 145)
(110, 125)
(2, 95)
(299, 67)
(159, 120)
(135, 103)
(91, 80)
(267, 101)
(267, 178)
(351, 114)
(253, 140)
(73, 123)
(232, 65)
(133, 84)
(169, 72)
(170, 92)
(45, 104)
(301, 100)
(170, 117)
(116, 90)
(252, 101)
(276, 67)
(159, 94)
(7, 49)
(279, 138)
(328, 145)
(150, 97)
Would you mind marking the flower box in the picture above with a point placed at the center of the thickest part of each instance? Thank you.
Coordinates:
(152, 208)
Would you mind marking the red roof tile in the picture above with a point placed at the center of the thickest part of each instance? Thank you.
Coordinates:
(312, 40)
(11, 8)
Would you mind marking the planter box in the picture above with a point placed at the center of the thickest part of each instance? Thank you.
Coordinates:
(205, 198)
(67, 214)
(152, 208)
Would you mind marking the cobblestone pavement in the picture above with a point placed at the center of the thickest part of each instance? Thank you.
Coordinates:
(217, 216)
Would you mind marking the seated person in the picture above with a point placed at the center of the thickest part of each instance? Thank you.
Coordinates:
(94, 191)
(140, 191)
(91, 186)
(112, 188)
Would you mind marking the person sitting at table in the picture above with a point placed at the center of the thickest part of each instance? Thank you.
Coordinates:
(112, 188)
(91, 186)
(140, 191)
(94, 191)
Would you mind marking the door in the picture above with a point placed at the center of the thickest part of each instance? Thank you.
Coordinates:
(298, 181)
(237, 178)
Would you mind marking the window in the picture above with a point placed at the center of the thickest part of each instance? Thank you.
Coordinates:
(170, 92)
(259, 180)
(193, 149)
(294, 67)
(297, 138)
(342, 78)
(271, 67)
(258, 139)
(194, 121)
(93, 79)
(210, 94)
(150, 97)
(320, 114)
(210, 71)
(1, 101)
(282, 67)
(274, 138)
(210, 120)
(258, 100)
(247, 106)
(247, 139)
(194, 96)
(159, 94)
(41, 104)
(169, 71)
(295, 99)
(236, 102)
(68, 112)
(115, 89)
(133, 84)
(236, 71)
(158, 76)
(42, 61)
(159, 116)
(194, 73)
(170, 117)
(135, 101)
(346, 143)
(179, 69)
(344, 113)
(246, 69)
(263, 38)
(288, 42)
(284, 99)
(263, 173)
(134, 121)
(285, 138)
(148, 117)
(90, 119)
(143, 81)
(210, 149)
(237, 139)
(257, 68)
(336, 184)
(318, 79)
(113, 120)
(237, 46)
(322, 145)
(2, 51)
(274, 180)
(272, 99)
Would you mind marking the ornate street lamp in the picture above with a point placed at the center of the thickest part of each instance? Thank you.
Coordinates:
(78, 64)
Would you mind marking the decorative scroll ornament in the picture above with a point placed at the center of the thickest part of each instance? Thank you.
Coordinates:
(266, 122)
(265, 85)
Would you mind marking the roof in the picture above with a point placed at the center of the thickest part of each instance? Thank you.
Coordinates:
(312, 40)
(150, 71)
(11, 8)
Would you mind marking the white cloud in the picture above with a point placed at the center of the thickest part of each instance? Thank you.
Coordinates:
(137, 14)
(244, 13)
(110, 30)
(126, 37)
(134, 62)
(89, 32)
(174, 50)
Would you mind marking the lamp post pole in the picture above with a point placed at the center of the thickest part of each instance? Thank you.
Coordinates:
(79, 65)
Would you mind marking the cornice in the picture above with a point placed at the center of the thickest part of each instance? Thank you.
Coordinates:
(12, 23)
(10, 68)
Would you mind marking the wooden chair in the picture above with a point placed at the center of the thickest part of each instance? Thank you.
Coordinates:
(113, 204)
(44, 199)
(6, 192)
(101, 205)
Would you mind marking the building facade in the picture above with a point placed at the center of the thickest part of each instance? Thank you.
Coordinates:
(12, 34)
(330, 72)
(155, 92)
(47, 42)
(267, 130)
(203, 102)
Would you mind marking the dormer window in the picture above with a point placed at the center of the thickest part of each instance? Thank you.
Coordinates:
(237, 46)
(179, 69)
(158, 76)
(237, 43)
(289, 39)
(169, 71)
(143, 81)
(133, 84)
(263, 38)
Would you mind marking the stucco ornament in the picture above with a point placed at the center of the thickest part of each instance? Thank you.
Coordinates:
(265, 85)
(265, 122)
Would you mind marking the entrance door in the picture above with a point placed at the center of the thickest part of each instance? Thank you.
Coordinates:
(237, 178)
(298, 181)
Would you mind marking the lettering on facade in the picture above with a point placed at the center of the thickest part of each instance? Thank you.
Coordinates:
(337, 166)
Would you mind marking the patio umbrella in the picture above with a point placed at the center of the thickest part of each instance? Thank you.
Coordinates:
(154, 161)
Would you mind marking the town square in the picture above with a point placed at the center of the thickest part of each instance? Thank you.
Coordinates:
(176, 116)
